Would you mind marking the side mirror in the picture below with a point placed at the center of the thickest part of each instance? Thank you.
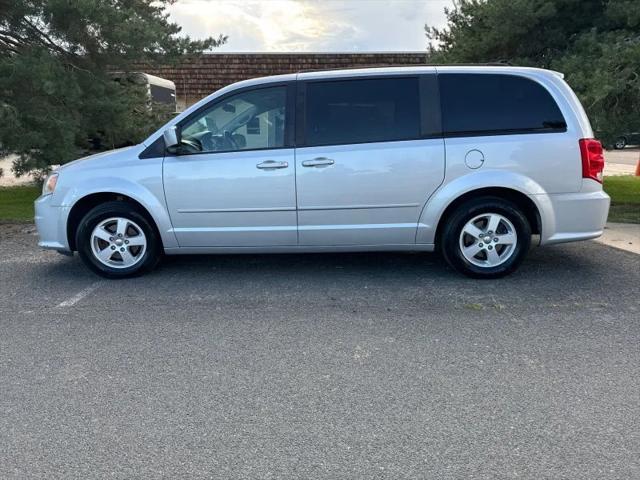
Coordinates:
(171, 137)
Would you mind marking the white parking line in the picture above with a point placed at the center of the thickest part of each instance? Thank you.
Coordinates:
(70, 302)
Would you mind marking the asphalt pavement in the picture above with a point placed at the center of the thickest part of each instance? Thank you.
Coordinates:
(320, 366)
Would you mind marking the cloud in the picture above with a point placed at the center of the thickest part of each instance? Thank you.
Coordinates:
(311, 26)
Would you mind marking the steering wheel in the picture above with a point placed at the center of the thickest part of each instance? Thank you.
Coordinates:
(229, 140)
(208, 143)
(191, 145)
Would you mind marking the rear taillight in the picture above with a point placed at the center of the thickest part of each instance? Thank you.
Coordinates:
(592, 158)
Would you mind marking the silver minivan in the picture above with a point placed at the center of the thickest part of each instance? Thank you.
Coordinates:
(472, 161)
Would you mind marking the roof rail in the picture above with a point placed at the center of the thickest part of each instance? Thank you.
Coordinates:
(479, 64)
(405, 65)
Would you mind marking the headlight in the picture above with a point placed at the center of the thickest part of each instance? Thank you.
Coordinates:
(50, 184)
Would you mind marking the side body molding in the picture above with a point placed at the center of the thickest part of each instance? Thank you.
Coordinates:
(494, 178)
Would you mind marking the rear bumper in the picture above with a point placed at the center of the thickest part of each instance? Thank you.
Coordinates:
(573, 216)
(51, 223)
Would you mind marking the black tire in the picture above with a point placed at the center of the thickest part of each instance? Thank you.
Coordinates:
(148, 260)
(449, 241)
(620, 143)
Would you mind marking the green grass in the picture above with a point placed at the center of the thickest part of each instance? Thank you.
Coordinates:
(625, 198)
(16, 203)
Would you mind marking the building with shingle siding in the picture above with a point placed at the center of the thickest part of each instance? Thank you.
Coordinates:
(201, 75)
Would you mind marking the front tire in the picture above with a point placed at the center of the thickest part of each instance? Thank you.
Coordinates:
(116, 240)
(487, 237)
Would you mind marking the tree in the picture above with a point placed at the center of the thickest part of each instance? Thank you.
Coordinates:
(595, 43)
(57, 59)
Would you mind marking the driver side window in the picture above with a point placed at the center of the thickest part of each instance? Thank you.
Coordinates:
(247, 121)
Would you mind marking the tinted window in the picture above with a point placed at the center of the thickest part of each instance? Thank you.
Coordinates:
(247, 121)
(496, 104)
(357, 111)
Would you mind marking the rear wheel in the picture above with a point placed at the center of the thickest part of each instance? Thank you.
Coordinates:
(115, 240)
(486, 237)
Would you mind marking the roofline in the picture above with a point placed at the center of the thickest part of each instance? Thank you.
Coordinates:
(423, 68)
(367, 70)
(159, 81)
(148, 78)
(379, 52)
(404, 65)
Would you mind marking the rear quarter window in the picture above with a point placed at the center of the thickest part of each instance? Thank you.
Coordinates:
(486, 104)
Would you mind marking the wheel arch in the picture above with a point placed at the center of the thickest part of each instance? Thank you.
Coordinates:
(523, 191)
(84, 204)
(524, 203)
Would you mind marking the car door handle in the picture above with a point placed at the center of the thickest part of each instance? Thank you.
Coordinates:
(318, 162)
(272, 165)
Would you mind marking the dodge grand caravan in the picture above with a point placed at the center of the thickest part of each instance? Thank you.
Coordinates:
(471, 161)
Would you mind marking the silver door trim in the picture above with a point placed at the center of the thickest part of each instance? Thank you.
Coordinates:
(237, 210)
(359, 226)
(283, 228)
(361, 207)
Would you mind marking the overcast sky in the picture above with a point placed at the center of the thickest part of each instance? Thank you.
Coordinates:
(311, 25)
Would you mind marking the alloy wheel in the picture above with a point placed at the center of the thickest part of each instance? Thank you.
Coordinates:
(488, 240)
(118, 242)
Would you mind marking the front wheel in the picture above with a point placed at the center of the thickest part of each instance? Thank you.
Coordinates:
(115, 240)
(486, 238)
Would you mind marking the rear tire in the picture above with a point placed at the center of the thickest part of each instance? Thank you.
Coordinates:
(116, 240)
(486, 237)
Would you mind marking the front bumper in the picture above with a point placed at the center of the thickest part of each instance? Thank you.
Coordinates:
(51, 223)
(574, 216)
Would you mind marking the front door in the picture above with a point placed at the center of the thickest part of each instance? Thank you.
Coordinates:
(370, 157)
(235, 187)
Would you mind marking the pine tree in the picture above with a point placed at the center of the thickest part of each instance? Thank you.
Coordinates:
(57, 59)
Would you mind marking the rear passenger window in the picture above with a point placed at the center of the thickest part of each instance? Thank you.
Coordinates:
(358, 111)
(478, 104)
